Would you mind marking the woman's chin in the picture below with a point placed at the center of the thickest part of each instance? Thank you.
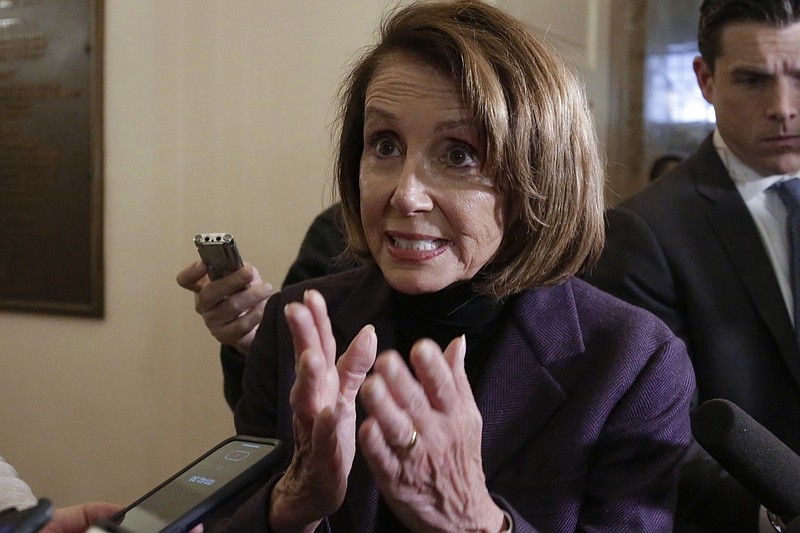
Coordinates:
(416, 283)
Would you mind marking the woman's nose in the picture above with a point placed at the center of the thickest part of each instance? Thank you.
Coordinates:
(412, 194)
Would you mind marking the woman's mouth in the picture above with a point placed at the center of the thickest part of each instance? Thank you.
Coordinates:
(416, 248)
(417, 245)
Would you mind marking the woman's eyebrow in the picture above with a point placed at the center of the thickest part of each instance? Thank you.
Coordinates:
(371, 112)
(377, 113)
(453, 125)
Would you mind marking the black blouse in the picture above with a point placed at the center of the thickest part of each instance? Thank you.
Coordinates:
(447, 314)
(442, 316)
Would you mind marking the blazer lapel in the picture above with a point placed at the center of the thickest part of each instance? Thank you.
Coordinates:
(368, 303)
(362, 497)
(517, 390)
(733, 224)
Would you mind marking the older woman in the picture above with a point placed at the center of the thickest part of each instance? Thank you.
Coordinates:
(472, 190)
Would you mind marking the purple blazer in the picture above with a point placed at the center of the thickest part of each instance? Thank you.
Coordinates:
(585, 405)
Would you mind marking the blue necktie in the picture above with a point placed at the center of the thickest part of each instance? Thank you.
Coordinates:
(789, 191)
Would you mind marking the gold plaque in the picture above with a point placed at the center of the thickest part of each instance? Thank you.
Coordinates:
(51, 156)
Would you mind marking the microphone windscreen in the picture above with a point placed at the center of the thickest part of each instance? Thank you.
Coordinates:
(755, 457)
(793, 526)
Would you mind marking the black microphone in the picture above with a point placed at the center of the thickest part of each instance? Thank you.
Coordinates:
(793, 526)
(756, 458)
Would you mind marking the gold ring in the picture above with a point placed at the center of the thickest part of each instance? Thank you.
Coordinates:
(412, 441)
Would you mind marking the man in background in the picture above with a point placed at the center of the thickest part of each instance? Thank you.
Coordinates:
(705, 247)
(663, 164)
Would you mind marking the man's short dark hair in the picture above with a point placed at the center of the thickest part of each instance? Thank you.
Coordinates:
(716, 15)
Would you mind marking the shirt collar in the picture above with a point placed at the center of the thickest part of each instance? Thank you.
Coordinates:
(748, 181)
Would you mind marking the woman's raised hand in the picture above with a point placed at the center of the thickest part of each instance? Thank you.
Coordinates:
(323, 401)
(422, 440)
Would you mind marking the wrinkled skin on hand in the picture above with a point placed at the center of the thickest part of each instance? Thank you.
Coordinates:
(323, 401)
(436, 484)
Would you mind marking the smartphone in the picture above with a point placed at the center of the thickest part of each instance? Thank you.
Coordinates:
(219, 253)
(181, 502)
(28, 520)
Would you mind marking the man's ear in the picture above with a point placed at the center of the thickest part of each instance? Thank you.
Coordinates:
(705, 78)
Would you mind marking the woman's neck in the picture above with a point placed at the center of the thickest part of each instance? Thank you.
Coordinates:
(447, 314)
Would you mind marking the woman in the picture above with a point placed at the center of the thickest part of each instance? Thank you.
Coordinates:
(472, 189)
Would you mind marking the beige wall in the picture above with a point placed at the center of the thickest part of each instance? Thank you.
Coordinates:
(581, 31)
(216, 118)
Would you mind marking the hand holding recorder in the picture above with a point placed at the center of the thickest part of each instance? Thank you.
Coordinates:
(229, 294)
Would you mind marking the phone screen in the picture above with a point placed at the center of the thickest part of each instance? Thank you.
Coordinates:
(194, 486)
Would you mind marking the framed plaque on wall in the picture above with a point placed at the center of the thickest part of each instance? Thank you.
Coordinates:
(51, 183)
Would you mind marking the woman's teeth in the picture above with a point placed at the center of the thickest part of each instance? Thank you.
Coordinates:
(416, 245)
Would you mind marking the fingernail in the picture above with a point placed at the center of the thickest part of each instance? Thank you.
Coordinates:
(374, 431)
(377, 388)
(392, 367)
(424, 351)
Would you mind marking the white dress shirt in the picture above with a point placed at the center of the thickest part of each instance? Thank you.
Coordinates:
(768, 212)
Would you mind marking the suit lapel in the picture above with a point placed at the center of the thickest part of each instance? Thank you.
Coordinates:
(370, 302)
(732, 222)
(516, 389)
(362, 496)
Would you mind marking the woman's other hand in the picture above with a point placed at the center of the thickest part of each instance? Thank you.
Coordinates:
(422, 440)
(323, 401)
(232, 306)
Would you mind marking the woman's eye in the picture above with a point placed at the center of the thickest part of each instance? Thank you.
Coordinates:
(459, 156)
(385, 148)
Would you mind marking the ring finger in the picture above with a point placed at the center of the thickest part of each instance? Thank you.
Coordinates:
(396, 425)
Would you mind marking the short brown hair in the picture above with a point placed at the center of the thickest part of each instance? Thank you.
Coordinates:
(716, 15)
(530, 110)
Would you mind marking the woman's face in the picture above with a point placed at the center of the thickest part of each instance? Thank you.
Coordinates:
(430, 214)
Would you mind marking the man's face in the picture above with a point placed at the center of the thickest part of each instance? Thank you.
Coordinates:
(755, 91)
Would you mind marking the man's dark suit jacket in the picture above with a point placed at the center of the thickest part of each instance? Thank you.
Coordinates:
(687, 249)
(585, 405)
(321, 253)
